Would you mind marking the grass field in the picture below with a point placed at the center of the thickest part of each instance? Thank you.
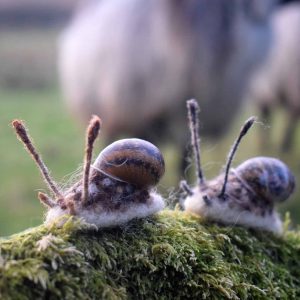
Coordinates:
(56, 137)
(60, 141)
(28, 57)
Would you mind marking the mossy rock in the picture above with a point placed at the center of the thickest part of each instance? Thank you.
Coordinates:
(171, 256)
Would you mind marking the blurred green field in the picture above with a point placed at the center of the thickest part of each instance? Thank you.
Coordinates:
(56, 137)
(60, 141)
(28, 58)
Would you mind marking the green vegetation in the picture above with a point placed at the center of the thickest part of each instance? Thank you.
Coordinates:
(28, 58)
(172, 256)
(56, 137)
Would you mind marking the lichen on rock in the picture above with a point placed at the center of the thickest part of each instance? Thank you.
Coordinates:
(173, 255)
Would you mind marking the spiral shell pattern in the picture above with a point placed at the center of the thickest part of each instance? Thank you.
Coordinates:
(268, 177)
(133, 160)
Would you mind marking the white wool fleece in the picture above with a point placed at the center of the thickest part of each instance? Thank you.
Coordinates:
(220, 212)
(102, 218)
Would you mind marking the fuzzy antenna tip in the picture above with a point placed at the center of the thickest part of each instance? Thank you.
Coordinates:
(91, 135)
(248, 124)
(45, 200)
(186, 188)
(245, 128)
(93, 129)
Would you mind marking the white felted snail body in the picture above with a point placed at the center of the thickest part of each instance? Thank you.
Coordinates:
(253, 188)
(118, 187)
(242, 196)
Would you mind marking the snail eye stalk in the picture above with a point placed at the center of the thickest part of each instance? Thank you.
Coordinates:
(91, 135)
(186, 188)
(193, 110)
(45, 200)
(24, 137)
(247, 125)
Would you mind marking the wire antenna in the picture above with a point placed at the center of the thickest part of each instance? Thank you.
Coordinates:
(248, 124)
(193, 110)
(91, 135)
(45, 200)
(186, 188)
(24, 137)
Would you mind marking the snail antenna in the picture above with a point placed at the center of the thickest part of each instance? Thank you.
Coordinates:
(186, 188)
(247, 125)
(193, 110)
(91, 135)
(24, 137)
(45, 200)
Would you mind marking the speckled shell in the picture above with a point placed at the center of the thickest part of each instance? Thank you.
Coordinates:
(268, 177)
(132, 160)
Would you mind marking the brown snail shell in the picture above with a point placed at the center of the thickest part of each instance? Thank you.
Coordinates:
(269, 177)
(133, 160)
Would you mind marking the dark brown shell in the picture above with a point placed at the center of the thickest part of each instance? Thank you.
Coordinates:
(269, 177)
(134, 161)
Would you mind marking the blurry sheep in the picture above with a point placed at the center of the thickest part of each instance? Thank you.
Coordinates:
(278, 81)
(136, 62)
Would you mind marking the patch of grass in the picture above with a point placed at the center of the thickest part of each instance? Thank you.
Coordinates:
(28, 58)
(171, 256)
(56, 137)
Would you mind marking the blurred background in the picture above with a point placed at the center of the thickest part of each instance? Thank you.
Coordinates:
(135, 63)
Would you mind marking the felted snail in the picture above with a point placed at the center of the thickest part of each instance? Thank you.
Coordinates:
(118, 187)
(245, 195)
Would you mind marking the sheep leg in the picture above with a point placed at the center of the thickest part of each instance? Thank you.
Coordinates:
(265, 140)
(289, 133)
(183, 163)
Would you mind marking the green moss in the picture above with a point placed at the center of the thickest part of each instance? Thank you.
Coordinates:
(171, 256)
